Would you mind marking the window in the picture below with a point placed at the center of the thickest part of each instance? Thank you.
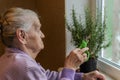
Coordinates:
(109, 60)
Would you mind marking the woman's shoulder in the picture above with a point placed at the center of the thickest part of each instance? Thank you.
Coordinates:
(25, 60)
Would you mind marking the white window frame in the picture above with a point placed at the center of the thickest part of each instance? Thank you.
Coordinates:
(106, 66)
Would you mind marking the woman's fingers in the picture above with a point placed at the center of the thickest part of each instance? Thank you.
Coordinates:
(83, 50)
(76, 58)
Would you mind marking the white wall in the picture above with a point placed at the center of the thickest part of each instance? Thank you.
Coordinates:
(79, 8)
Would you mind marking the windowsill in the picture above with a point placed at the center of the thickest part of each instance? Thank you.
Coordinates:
(111, 72)
(107, 77)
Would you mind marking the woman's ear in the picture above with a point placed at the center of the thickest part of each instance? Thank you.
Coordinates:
(21, 36)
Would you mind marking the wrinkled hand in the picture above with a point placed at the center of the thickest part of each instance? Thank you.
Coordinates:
(75, 58)
(94, 75)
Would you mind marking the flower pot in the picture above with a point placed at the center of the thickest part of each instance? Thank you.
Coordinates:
(89, 66)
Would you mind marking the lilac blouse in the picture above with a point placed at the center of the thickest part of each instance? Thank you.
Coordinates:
(17, 65)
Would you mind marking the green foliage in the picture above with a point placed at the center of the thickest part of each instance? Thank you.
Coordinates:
(92, 31)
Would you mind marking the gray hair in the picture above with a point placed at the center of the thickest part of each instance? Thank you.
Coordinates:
(13, 19)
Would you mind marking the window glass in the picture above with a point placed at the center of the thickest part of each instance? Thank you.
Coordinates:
(112, 15)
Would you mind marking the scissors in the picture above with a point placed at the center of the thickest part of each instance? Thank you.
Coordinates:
(83, 45)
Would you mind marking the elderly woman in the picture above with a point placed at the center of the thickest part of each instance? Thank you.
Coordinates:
(21, 34)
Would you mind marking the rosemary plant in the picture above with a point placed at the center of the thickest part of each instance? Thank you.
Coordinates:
(92, 31)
